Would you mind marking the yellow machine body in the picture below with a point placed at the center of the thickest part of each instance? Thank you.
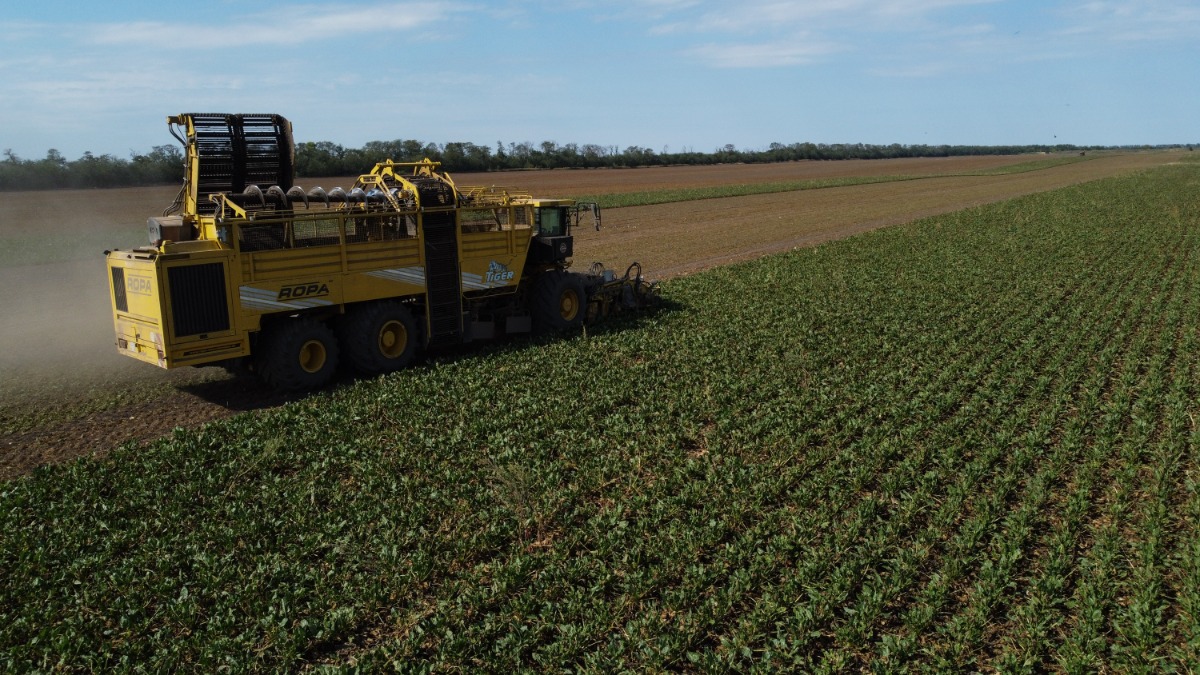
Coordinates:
(235, 261)
(157, 317)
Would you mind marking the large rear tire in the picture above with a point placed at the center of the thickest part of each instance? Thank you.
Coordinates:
(379, 337)
(559, 302)
(297, 355)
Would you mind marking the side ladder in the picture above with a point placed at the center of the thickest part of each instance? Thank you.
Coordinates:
(443, 279)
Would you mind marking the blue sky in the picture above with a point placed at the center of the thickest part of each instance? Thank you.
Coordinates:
(665, 74)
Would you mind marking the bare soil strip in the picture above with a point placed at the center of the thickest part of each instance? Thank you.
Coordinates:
(674, 239)
(60, 381)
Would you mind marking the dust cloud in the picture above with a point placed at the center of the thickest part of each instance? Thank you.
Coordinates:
(56, 335)
(56, 332)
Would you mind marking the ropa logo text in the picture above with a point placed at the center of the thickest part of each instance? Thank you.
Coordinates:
(498, 273)
(313, 290)
(139, 285)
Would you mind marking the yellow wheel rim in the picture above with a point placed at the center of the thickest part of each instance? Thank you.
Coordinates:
(568, 305)
(312, 356)
(393, 339)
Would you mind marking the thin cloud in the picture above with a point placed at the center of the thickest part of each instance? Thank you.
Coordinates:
(773, 15)
(918, 7)
(17, 31)
(760, 34)
(1129, 21)
(296, 25)
(916, 71)
(766, 55)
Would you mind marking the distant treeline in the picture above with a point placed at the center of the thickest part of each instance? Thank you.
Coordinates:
(164, 164)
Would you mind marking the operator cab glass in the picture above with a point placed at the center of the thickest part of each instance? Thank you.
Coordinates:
(552, 221)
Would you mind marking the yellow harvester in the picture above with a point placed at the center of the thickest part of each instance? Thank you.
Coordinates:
(246, 269)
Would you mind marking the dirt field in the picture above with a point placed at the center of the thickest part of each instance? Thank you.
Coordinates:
(64, 392)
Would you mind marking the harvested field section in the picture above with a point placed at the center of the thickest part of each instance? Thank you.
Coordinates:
(673, 239)
(572, 183)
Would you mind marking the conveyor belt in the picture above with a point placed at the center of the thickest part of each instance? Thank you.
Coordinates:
(235, 151)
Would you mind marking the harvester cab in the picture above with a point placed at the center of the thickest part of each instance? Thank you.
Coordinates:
(552, 240)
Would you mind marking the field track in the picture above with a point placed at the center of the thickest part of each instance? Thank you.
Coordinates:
(61, 386)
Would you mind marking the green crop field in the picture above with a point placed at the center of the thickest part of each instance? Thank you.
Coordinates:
(967, 443)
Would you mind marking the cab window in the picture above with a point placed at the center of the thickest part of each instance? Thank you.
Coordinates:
(552, 221)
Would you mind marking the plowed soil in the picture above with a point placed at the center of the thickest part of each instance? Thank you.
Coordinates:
(65, 393)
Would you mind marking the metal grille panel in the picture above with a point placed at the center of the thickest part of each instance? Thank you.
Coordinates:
(119, 300)
(198, 299)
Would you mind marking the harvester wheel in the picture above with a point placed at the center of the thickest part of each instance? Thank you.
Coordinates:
(297, 355)
(559, 302)
(379, 337)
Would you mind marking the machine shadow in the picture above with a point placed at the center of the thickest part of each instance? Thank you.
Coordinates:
(244, 392)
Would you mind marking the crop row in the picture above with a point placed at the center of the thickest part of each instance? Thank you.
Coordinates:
(966, 443)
